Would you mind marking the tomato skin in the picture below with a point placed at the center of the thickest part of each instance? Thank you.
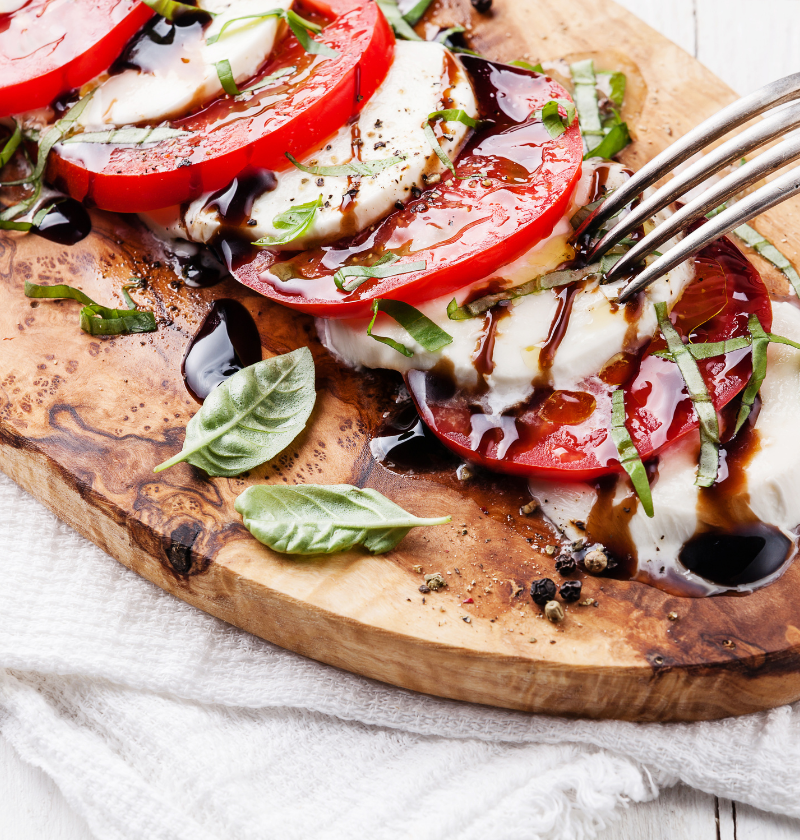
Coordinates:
(134, 180)
(514, 211)
(90, 34)
(658, 408)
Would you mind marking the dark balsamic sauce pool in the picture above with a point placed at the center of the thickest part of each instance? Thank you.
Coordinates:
(226, 342)
(67, 222)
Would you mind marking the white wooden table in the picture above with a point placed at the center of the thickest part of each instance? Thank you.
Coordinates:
(747, 43)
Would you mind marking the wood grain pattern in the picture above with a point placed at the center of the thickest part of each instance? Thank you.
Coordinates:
(83, 421)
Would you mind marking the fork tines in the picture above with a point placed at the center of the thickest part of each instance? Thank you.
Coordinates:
(773, 127)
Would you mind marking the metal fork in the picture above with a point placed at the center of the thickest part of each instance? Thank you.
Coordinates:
(772, 127)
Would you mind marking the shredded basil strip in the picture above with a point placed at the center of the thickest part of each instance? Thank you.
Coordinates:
(384, 267)
(424, 331)
(534, 68)
(617, 83)
(701, 400)
(415, 13)
(612, 144)
(759, 362)
(400, 25)
(444, 36)
(356, 167)
(711, 348)
(226, 79)
(295, 222)
(280, 13)
(11, 213)
(132, 136)
(172, 10)
(585, 96)
(10, 145)
(550, 115)
(552, 280)
(94, 318)
(628, 453)
(448, 115)
(771, 254)
(8, 224)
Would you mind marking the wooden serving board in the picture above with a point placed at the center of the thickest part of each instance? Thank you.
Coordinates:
(83, 420)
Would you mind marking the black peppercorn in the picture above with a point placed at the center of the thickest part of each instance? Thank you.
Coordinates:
(542, 591)
(566, 564)
(570, 590)
(482, 6)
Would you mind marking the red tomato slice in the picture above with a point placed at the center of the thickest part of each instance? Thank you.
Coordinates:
(229, 136)
(51, 46)
(565, 435)
(462, 229)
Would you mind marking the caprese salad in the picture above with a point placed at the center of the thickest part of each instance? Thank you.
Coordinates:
(421, 201)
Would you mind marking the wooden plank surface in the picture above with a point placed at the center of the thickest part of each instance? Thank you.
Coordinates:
(721, 32)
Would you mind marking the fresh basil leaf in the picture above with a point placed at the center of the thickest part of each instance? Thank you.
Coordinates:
(300, 27)
(628, 454)
(172, 10)
(701, 399)
(10, 145)
(384, 267)
(268, 80)
(750, 236)
(325, 519)
(617, 83)
(759, 362)
(94, 318)
(8, 224)
(550, 115)
(13, 212)
(128, 136)
(534, 68)
(280, 13)
(446, 34)
(448, 115)
(711, 349)
(295, 222)
(425, 332)
(57, 133)
(612, 144)
(399, 24)
(585, 96)
(551, 280)
(364, 168)
(226, 78)
(250, 417)
(415, 13)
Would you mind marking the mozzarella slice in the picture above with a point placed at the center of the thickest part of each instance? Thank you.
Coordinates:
(772, 476)
(597, 329)
(186, 76)
(424, 77)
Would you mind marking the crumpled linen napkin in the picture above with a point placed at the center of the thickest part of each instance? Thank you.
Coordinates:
(158, 721)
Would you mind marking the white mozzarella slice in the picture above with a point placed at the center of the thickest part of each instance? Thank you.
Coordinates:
(8, 6)
(422, 76)
(186, 76)
(597, 329)
(772, 476)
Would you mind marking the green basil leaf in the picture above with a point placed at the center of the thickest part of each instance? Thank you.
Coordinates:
(710, 349)
(585, 96)
(281, 13)
(10, 145)
(534, 68)
(415, 13)
(364, 168)
(268, 80)
(552, 119)
(440, 152)
(226, 78)
(128, 136)
(94, 318)
(448, 115)
(612, 144)
(759, 361)
(324, 519)
(295, 222)
(11, 213)
(617, 84)
(301, 28)
(250, 417)
(8, 224)
(701, 399)
(628, 454)
(172, 10)
(771, 254)
(384, 267)
(57, 133)
(444, 36)
(399, 24)
(419, 326)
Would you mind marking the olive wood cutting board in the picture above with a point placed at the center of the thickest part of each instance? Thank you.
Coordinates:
(83, 421)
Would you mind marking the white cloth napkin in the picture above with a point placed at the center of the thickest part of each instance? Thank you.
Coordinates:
(160, 722)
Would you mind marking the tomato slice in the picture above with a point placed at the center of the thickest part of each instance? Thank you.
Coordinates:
(227, 136)
(462, 229)
(565, 435)
(48, 47)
